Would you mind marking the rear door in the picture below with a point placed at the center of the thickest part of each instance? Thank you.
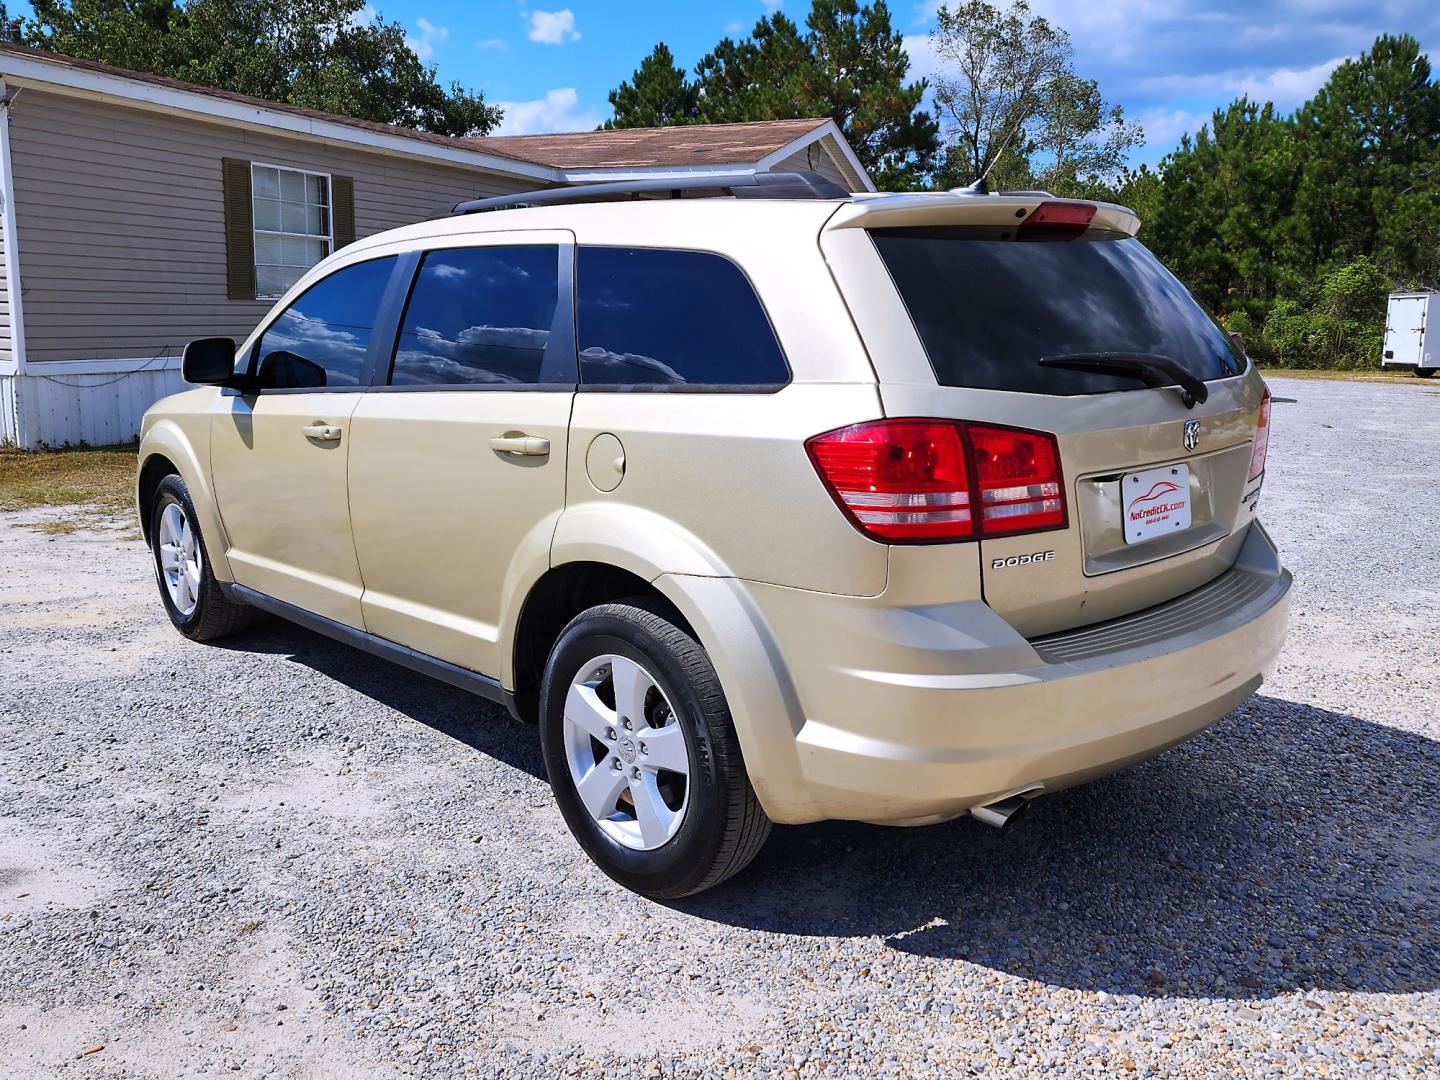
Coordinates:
(1157, 492)
(457, 459)
(1405, 330)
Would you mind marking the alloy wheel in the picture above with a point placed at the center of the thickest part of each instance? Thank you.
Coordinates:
(626, 751)
(178, 554)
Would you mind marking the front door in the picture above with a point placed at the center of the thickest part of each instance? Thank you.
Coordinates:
(280, 458)
(457, 456)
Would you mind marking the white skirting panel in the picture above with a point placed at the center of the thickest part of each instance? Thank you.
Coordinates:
(66, 408)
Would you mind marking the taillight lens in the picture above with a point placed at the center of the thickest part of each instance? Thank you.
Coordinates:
(1019, 477)
(899, 479)
(932, 481)
(1262, 438)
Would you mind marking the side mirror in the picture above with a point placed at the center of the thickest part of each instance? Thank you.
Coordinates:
(209, 362)
(286, 371)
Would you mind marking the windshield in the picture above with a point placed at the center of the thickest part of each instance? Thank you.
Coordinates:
(988, 307)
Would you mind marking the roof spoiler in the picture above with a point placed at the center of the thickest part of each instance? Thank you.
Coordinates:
(760, 185)
(1005, 208)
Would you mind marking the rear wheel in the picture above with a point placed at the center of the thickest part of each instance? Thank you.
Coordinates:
(1426, 372)
(642, 753)
(188, 589)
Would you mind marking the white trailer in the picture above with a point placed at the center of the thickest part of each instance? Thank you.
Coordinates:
(1412, 332)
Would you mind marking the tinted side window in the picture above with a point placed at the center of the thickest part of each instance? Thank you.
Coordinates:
(652, 316)
(321, 339)
(479, 315)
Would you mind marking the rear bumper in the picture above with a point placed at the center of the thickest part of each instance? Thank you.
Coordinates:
(919, 713)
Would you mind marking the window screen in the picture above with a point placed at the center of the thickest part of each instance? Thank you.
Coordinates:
(321, 339)
(478, 316)
(987, 308)
(672, 317)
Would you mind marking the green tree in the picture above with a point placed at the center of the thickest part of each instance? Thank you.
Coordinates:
(1015, 109)
(315, 53)
(1224, 220)
(1081, 140)
(660, 96)
(847, 63)
(1371, 139)
(857, 77)
(761, 77)
(998, 66)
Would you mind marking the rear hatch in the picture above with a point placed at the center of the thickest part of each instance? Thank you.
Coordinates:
(1072, 329)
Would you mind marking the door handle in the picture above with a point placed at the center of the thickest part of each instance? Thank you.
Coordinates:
(321, 432)
(522, 445)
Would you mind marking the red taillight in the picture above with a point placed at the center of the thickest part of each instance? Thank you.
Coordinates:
(921, 481)
(1019, 477)
(1056, 221)
(898, 479)
(1262, 437)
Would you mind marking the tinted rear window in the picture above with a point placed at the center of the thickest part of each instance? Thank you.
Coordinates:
(680, 318)
(987, 309)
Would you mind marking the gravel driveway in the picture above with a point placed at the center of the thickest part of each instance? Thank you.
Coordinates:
(282, 857)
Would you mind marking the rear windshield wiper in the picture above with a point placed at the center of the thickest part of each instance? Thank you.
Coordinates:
(1150, 368)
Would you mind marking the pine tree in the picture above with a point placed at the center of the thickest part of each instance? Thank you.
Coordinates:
(659, 96)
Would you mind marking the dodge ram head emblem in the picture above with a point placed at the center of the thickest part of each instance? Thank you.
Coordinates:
(1192, 434)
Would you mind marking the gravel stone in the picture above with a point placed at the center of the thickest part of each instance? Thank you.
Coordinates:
(281, 857)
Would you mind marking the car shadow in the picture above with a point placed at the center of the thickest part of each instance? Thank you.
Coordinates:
(1287, 848)
(475, 721)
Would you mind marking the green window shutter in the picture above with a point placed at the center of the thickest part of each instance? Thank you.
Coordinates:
(239, 231)
(342, 209)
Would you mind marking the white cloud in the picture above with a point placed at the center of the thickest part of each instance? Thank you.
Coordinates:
(1286, 87)
(494, 43)
(923, 62)
(734, 26)
(364, 17)
(1289, 86)
(1164, 126)
(553, 27)
(430, 35)
(772, 6)
(558, 110)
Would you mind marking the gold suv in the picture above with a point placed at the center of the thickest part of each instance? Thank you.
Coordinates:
(781, 505)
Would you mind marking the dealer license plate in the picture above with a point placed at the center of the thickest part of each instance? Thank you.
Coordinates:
(1155, 502)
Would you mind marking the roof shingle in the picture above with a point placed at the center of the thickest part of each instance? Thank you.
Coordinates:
(693, 144)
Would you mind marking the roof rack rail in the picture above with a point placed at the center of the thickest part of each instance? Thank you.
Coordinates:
(760, 185)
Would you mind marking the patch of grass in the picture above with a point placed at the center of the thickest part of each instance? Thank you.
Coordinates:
(98, 482)
(1356, 375)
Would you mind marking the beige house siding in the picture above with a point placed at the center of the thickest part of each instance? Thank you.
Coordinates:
(821, 157)
(121, 220)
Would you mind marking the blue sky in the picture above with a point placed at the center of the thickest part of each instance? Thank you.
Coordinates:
(1168, 62)
(551, 63)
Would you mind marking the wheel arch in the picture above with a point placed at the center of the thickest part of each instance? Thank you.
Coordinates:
(556, 597)
(167, 449)
(719, 614)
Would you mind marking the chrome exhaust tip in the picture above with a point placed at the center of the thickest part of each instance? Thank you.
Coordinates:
(1001, 812)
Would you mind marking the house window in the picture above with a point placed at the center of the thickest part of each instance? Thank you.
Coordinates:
(293, 229)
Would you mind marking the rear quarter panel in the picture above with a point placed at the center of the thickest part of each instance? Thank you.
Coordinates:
(720, 484)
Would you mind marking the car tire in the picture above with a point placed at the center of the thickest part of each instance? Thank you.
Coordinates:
(1426, 372)
(192, 597)
(660, 834)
